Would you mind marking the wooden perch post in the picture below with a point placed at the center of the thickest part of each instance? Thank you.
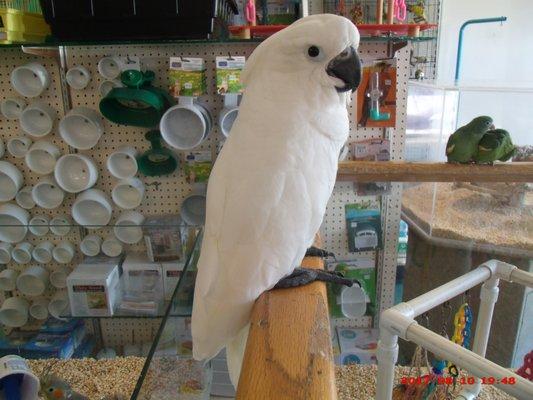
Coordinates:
(288, 354)
(401, 171)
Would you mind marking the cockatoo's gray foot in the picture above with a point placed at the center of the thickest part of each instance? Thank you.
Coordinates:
(317, 252)
(304, 276)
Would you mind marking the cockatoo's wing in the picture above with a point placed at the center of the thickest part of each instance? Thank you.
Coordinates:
(244, 252)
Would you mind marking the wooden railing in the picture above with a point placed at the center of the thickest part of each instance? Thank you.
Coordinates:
(401, 171)
(288, 354)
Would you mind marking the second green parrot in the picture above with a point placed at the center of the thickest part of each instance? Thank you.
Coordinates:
(495, 145)
(462, 145)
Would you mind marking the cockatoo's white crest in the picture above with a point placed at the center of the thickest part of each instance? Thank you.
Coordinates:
(270, 185)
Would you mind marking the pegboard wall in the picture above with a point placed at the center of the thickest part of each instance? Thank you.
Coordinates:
(165, 194)
(10, 129)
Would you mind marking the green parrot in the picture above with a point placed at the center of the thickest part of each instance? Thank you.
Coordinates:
(495, 145)
(462, 144)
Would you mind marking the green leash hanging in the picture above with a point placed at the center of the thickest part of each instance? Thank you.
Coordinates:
(137, 104)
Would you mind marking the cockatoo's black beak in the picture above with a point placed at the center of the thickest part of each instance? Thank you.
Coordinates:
(347, 67)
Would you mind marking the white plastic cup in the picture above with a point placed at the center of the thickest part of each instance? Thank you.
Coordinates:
(12, 108)
(59, 305)
(109, 67)
(229, 113)
(185, 125)
(42, 156)
(128, 193)
(18, 146)
(37, 119)
(8, 279)
(78, 77)
(13, 223)
(128, 228)
(24, 199)
(30, 80)
(111, 247)
(39, 309)
(42, 253)
(75, 173)
(81, 128)
(90, 245)
(92, 209)
(58, 277)
(14, 312)
(64, 252)
(21, 253)
(47, 194)
(122, 164)
(5, 252)
(60, 225)
(11, 181)
(353, 302)
(33, 281)
(29, 386)
(108, 85)
(39, 225)
(192, 209)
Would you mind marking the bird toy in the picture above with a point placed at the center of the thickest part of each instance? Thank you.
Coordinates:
(463, 324)
(526, 370)
(400, 10)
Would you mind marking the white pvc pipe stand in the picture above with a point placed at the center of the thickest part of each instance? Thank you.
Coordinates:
(398, 321)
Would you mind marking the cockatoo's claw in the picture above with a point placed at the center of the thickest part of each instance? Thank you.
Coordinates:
(317, 252)
(304, 276)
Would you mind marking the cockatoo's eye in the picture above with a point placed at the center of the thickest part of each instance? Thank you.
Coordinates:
(314, 52)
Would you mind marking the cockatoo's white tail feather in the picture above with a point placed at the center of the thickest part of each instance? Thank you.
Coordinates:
(270, 185)
(235, 354)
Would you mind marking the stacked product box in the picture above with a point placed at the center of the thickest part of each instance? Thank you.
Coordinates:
(94, 287)
(357, 345)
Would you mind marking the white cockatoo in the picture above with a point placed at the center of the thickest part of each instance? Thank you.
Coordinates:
(268, 191)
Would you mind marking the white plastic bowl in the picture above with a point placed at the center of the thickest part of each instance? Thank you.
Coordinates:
(5, 254)
(128, 228)
(122, 164)
(13, 223)
(78, 77)
(14, 312)
(60, 225)
(111, 247)
(90, 245)
(33, 281)
(41, 157)
(11, 181)
(8, 279)
(12, 108)
(92, 209)
(21, 253)
(64, 252)
(185, 126)
(37, 119)
(42, 253)
(81, 128)
(75, 173)
(128, 193)
(24, 199)
(109, 67)
(39, 225)
(47, 194)
(30, 80)
(18, 146)
(106, 86)
(193, 209)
